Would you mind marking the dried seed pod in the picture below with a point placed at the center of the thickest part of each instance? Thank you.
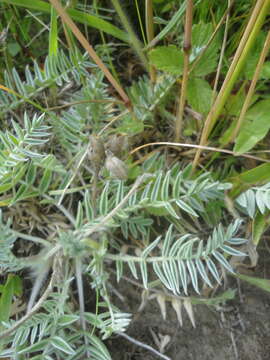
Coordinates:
(117, 144)
(3, 36)
(96, 153)
(115, 166)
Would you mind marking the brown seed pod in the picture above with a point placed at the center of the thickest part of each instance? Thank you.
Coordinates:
(96, 153)
(115, 166)
(117, 144)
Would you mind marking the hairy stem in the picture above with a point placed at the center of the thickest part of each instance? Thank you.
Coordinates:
(183, 91)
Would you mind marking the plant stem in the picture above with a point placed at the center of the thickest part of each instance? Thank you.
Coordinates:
(200, 147)
(222, 50)
(149, 24)
(134, 41)
(186, 49)
(106, 218)
(15, 93)
(140, 22)
(79, 282)
(35, 239)
(253, 27)
(81, 38)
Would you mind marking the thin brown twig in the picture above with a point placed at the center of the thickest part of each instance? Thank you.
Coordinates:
(201, 147)
(252, 26)
(81, 38)
(98, 101)
(141, 344)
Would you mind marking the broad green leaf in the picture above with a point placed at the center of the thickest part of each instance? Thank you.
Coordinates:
(199, 94)
(253, 57)
(233, 107)
(259, 225)
(13, 48)
(260, 174)
(261, 283)
(80, 16)
(13, 286)
(265, 73)
(201, 33)
(255, 128)
(167, 58)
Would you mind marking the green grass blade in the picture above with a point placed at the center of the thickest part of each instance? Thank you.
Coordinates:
(171, 24)
(53, 37)
(81, 17)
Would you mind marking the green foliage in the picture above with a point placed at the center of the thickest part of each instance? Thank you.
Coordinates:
(183, 259)
(53, 333)
(169, 227)
(82, 17)
(260, 283)
(57, 71)
(12, 286)
(255, 128)
(252, 60)
(146, 99)
(167, 58)
(201, 34)
(255, 198)
(71, 129)
(9, 261)
(199, 95)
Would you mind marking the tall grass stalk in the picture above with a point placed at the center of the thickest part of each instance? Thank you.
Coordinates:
(251, 89)
(133, 39)
(225, 36)
(253, 27)
(149, 24)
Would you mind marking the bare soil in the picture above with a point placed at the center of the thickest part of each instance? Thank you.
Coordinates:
(237, 330)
